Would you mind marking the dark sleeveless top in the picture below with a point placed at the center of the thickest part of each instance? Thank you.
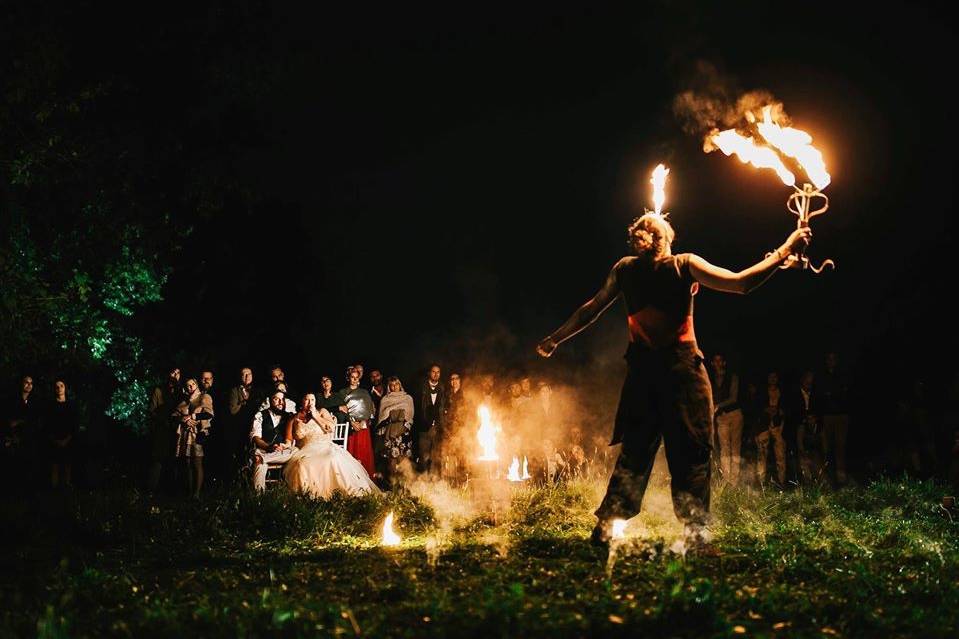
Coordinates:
(659, 300)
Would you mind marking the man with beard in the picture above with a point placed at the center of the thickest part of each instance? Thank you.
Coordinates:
(429, 419)
(268, 436)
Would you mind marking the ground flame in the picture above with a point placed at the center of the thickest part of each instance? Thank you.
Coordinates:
(526, 474)
(487, 435)
(390, 538)
(619, 529)
(659, 187)
(514, 471)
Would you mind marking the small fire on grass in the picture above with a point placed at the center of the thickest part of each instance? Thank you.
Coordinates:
(619, 529)
(390, 538)
(514, 470)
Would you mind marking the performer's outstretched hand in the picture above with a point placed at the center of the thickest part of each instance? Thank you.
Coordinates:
(798, 239)
(546, 347)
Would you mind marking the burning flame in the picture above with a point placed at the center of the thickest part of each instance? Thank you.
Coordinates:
(792, 143)
(390, 538)
(795, 144)
(659, 186)
(514, 471)
(619, 529)
(748, 152)
(526, 474)
(487, 435)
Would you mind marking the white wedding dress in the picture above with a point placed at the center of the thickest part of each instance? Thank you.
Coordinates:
(319, 466)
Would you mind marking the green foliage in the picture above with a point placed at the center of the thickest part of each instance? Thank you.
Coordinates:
(878, 561)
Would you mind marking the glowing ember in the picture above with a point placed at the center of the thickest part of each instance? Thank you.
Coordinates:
(619, 529)
(390, 538)
(526, 474)
(487, 435)
(659, 187)
(795, 144)
(514, 471)
(762, 157)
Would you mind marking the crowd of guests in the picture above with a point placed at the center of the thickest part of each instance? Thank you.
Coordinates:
(765, 431)
(256, 431)
(769, 432)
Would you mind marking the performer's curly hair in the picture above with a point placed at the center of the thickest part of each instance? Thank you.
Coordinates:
(650, 235)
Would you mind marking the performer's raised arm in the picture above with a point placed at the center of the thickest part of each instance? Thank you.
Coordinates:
(746, 280)
(584, 315)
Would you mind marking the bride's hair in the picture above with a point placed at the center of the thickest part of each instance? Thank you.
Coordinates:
(396, 379)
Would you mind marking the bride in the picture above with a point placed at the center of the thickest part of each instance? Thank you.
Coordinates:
(319, 466)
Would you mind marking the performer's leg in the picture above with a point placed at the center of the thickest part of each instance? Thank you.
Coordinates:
(627, 485)
(686, 404)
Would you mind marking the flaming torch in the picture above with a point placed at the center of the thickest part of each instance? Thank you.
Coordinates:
(390, 538)
(780, 145)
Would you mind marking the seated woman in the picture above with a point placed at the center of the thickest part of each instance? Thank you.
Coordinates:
(320, 467)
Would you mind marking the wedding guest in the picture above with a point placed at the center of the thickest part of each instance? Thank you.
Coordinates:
(833, 392)
(61, 426)
(377, 388)
(243, 405)
(395, 428)
(193, 414)
(728, 418)
(21, 419)
(803, 414)
(772, 417)
(360, 443)
(162, 433)
(429, 426)
(268, 435)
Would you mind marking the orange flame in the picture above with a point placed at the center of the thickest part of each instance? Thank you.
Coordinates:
(526, 474)
(748, 152)
(487, 435)
(795, 144)
(390, 538)
(659, 186)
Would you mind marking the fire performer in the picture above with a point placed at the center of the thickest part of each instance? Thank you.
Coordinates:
(666, 394)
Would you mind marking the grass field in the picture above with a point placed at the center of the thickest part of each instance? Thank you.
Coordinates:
(879, 561)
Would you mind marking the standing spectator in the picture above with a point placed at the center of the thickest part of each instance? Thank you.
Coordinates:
(394, 428)
(193, 414)
(243, 405)
(750, 405)
(278, 376)
(329, 399)
(359, 371)
(163, 401)
(488, 389)
(429, 426)
(377, 388)
(216, 458)
(61, 425)
(833, 395)
(526, 386)
(728, 419)
(803, 414)
(772, 420)
(454, 418)
(22, 418)
(360, 443)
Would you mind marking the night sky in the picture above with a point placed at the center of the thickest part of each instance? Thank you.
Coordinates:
(451, 185)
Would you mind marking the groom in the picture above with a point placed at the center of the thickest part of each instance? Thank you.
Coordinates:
(268, 435)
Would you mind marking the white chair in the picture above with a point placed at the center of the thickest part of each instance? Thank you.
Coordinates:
(340, 434)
